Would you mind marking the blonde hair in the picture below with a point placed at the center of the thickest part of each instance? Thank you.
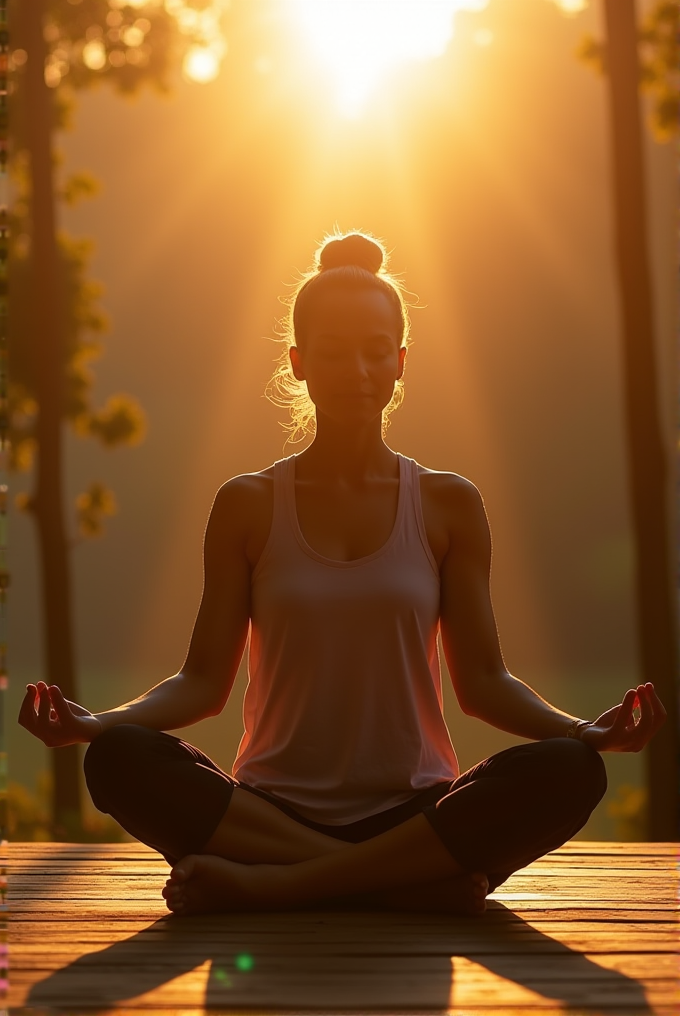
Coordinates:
(353, 261)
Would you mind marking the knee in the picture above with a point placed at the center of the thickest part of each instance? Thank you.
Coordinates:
(112, 752)
(580, 767)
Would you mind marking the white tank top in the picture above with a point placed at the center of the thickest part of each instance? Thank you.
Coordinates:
(343, 710)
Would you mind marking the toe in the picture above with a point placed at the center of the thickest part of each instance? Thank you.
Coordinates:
(183, 870)
(173, 894)
(174, 901)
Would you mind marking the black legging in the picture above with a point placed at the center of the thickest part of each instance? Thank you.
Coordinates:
(497, 817)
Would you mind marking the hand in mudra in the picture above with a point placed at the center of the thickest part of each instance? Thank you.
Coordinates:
(619, 729)
(46, 714)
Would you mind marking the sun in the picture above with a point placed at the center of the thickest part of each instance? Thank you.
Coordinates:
(360, 41)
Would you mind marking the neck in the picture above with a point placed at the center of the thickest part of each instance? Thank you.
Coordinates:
(347, 452)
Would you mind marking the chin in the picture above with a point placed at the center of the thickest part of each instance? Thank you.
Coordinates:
(363, 414)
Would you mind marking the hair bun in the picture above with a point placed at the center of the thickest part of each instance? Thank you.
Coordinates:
(352, 249)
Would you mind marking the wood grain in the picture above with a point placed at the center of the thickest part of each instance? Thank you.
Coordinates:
(591, 929)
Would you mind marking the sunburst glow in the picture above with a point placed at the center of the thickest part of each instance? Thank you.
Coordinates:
(359, 42)
(201, 64)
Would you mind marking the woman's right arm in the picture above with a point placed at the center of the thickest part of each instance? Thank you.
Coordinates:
(202, 686)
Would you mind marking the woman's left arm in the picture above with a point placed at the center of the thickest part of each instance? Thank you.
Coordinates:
(484, 687)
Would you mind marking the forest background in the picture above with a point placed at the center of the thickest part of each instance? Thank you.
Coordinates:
(487, 171)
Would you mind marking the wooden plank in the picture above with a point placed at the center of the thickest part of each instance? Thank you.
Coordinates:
(538, 1009)
(552, 957)
(37, 874)
(126, 850)
(322, 990)
(517, 930)
(49, 868)
(591, 928)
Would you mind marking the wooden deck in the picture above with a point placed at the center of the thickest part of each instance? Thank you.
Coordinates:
(589, 929)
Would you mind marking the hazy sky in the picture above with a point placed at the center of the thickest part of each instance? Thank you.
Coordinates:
(486, 171)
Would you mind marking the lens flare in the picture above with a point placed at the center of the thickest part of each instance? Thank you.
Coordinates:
(360, 42)
(572, 6)
(201, 63)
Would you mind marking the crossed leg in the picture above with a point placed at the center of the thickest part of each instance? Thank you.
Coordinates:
(234, 850)
(172, 797)
(278, 869)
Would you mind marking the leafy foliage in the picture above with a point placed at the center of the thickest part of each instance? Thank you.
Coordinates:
(127, 44)
(28, 815)
(121, 420)
(659, 37)
(91, 506)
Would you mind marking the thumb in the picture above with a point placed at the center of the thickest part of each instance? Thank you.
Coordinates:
(625, 712)
(60, 705)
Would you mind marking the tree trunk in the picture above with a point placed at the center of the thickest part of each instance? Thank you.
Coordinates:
(648, 453)
(47, 355)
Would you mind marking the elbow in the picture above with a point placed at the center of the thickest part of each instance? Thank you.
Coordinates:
(205, 692)
(218, 701)
(479, 698)
(468, 707)
(466, 700)
(211, 704)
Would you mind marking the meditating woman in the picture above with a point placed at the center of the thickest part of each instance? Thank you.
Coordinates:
(344, 562)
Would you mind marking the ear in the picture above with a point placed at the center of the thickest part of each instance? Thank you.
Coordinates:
(402, 362)
(296, 363)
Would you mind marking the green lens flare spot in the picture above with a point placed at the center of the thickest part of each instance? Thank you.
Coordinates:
(244, 961)
(223, 977)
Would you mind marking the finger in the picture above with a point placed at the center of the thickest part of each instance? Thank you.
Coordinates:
(43, 705)
(622, 724)
(27, 713)
(56, 696)
(644, 727)
(59, 703)
(660, 714)
(656, 707)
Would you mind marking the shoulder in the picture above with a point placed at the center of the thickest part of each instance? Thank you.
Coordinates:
(242, 512)
(453, 512)
(244, 492)
(450, 493)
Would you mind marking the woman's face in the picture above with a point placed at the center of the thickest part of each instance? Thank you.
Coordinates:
(350, 356)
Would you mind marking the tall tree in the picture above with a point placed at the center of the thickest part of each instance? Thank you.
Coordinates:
(47, 356)
(633, 57)
(60, 47)
(648, 452)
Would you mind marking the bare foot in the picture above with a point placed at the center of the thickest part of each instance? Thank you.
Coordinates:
(462, 894)
(204, 883)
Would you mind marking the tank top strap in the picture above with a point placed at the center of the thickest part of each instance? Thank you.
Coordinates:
(414, 522)
(284, 484)
(281, 527)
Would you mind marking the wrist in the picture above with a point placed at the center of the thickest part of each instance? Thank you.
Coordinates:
(104, 721)
(95, 728)
(576, 728)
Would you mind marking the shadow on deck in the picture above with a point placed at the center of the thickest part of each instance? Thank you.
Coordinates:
(589, 929)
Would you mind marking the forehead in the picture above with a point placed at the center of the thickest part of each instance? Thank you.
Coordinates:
(353, 312)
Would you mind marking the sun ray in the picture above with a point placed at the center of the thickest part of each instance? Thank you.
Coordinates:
(359, 43)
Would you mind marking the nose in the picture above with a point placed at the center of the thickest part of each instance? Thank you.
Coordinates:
(356, 366)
